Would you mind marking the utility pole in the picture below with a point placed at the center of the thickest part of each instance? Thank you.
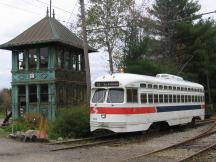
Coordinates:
(85, 46)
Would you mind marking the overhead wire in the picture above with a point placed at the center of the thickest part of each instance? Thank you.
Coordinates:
(68, 21)
(18, 8)
(59, 8)
(98, 29)
(32, 4)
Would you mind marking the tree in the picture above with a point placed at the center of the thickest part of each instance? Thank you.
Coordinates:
(201, 48)
(166, 16)
(108, 17)
(5, 99)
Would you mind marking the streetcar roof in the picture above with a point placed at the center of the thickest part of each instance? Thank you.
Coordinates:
(125, 79)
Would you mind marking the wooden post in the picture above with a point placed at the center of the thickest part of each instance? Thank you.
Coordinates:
(85, 45)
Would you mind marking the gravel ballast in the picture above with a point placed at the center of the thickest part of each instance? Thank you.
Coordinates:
(13, 151)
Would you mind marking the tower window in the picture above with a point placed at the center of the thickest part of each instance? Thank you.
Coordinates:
(33, 94)
(44, 97)
(21, 60)
(33, 59)
(43, 57)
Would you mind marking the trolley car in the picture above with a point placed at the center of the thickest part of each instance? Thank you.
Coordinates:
(128, 102)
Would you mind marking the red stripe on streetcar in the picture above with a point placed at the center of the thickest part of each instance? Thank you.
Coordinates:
(203, 106)
(122, 110)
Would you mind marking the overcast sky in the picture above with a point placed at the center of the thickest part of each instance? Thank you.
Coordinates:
(18, 15)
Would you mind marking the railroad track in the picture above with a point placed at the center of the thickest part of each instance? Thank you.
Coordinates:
(72, 141)
(85, 142)
(182, 151)
(101, 140)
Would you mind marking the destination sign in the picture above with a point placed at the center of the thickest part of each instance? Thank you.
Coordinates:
(106, 84)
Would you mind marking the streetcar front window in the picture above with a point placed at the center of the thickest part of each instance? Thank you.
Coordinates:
(115, 95)
(99, 96)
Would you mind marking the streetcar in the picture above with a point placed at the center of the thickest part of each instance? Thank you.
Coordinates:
(125, 102)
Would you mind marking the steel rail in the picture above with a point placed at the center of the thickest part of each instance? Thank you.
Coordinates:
(70, 141)
(203, 134)
(84, 145)
(197, 153)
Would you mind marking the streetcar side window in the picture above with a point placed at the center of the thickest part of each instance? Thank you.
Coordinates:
(165, 98)
(132, 95)
(174, 98)
(193, 98)
(196, 98)
(143, 85)
(170, 98)
(189, 98)
(178, 98)
(160, 98)
(155, 86)
(186, 98)
(150, 86)
(160, 87)
(144, 98)
(155, 98)
(150, 98)
(115, 95)
(99, 96)
(182, 98)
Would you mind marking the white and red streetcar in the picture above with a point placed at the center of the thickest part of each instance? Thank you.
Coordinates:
(128, 102)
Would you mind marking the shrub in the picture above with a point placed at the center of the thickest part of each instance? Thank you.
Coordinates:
(32, 120)
(209, 111)
(2, 113)
(18, 125)
(29, 121)
(70, 122)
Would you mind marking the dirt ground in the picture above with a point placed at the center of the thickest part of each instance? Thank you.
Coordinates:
(15, 151)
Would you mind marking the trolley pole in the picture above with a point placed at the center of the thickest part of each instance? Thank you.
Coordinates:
(85, 46)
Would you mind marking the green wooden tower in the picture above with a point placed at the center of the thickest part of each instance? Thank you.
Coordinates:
(48, 69)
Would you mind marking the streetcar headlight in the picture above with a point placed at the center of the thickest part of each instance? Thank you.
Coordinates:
(103, 116)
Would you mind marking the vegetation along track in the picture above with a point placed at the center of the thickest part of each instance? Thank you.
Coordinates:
(181, 151)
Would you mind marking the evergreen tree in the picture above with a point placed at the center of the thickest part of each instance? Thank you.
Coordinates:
(166, 16)
(200, 48)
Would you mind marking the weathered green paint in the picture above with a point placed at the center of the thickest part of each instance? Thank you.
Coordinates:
(67, 83)
(27, 98)
(15, 102)
(35, 76)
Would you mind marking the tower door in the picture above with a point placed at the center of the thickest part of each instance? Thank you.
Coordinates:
(21, 100)
(22, 106)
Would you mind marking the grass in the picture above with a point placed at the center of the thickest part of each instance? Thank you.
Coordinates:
(2, 116)
(4, 133)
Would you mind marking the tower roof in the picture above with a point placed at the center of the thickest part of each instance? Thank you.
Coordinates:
(47, 30)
